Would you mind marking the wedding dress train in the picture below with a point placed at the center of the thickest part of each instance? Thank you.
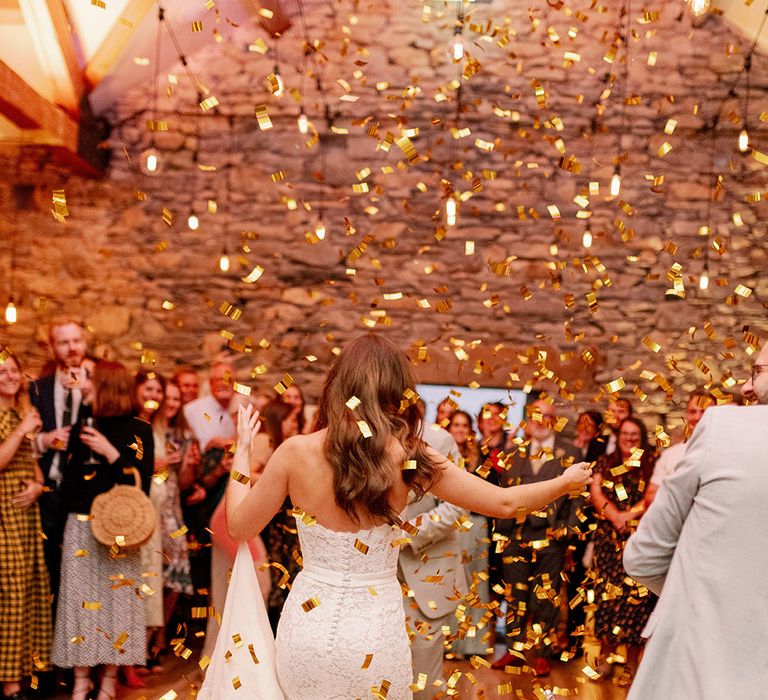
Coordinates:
(342, 632)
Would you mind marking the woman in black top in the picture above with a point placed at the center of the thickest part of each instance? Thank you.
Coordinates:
(100, 618)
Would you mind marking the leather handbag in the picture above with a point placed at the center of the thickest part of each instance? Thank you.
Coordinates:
(123, 516)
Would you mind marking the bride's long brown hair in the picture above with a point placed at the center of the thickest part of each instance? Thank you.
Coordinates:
(375, 371)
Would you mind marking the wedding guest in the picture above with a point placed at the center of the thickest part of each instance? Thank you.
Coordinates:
(208, 417)
(444, 411)
(432, 572)
(535, 546)
(589, 438)
(57, 397)
(25, 610)
(175, 459)
(617, 494)
(701, 547)
(188, 381)
(96, 622)
(698, 402)
(294, 397)
(474, 545)
(619, 409)
(279, 422)
(148, 395)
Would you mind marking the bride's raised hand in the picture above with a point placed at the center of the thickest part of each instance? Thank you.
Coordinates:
(248, 425)
(577, 476)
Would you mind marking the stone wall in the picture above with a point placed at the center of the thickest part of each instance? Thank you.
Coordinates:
(514, 311)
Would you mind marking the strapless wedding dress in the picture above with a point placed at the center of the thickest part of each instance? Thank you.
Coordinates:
(342, 632)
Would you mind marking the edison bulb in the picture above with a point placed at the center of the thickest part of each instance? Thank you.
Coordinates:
(193, 222)
(703, 281)
(458, 49)
(224, 262)
(743, 140)
(320, 231)
(615, 183)
(450, 211)
(699, 7)
(303, 123)
(150, 162)
(586, 239)
(10, 313)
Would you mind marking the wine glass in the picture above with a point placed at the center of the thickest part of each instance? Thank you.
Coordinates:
(91, 461)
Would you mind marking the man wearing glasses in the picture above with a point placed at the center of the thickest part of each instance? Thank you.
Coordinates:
(701, 547)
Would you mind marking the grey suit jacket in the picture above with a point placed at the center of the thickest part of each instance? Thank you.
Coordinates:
(702, 546)
(431, 564)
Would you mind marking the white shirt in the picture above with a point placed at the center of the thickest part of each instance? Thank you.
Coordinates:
(59, 399)
(541, 452)
(440, 440)
(207, 419)
(668, 462)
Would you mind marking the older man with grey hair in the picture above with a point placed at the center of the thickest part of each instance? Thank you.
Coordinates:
(701, 547)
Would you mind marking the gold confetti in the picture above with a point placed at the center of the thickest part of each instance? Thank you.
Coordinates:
(230, 311)
(665, 148)
(652, 345)
(236, 682)
(197, 26)
(263, 117)
(352, 403)
(361, 546)
(367, 661)
(283, 384)
(91, 605)
(615, 386)
(365, 429)
(209, 103)
(240, 478)
(310, 604)
(409, 464)
(81, 552)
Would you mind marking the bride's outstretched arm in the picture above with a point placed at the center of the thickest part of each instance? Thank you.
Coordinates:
(473, 493)
(250, 508)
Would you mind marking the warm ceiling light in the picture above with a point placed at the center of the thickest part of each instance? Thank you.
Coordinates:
(10, 313)
(150, 161)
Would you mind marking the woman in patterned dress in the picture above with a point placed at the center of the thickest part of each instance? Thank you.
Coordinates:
(172, 459)
(25, 599)
(100, 618)
(617, 494)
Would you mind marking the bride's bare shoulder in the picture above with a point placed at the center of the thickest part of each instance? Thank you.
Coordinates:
(303, 444)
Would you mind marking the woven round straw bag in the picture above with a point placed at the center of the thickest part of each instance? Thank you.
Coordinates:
(124, 516)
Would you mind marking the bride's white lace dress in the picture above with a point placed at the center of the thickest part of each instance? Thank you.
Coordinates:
(341, 634)
(342, 631)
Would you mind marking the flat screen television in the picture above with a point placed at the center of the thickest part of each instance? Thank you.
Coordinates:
(472, 400)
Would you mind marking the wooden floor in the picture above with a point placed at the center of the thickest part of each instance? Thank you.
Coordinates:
(566, 681)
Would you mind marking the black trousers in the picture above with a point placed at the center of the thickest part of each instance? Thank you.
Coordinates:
(534, 576)
(53, 518)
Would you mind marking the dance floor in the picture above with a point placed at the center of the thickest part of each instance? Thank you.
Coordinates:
(566, 681)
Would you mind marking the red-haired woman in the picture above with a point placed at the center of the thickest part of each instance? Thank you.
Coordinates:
(25, 609)
(99, 620)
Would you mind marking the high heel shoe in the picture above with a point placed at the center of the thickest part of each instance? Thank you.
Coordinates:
(81, 688)
(131, 678)
(108, 687)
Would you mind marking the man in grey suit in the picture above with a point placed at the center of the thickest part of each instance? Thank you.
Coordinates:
(431, 568)
(701, 547)
(535, 545)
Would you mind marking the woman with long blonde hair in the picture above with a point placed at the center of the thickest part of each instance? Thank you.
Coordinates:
(342, 631)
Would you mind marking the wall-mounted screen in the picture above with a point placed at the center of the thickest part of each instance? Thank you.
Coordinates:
(472, 400)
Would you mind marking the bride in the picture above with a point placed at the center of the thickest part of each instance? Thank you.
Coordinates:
(342, 632)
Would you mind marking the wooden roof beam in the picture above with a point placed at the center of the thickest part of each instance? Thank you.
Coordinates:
(29, 111)
(114, 43)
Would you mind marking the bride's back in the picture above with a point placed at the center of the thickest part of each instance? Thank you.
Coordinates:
(310, 485)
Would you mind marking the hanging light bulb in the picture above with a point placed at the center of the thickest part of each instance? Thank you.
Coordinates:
(320, 231)
(150, 161)
(224, 262)
(458, 45)
(616, 182)
(193, 222)
(10, 313)
(553, 249)
(303, 123)
(743, 140)
(704, 280)
(450, 211)
(699, 7)
(586, 239)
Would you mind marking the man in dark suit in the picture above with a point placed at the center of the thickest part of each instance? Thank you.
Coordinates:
(58, 398)
(535, 545)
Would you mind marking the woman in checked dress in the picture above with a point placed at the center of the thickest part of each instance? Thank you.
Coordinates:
(25, 599)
